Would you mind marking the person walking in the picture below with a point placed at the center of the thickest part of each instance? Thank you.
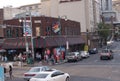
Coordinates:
(10, 72)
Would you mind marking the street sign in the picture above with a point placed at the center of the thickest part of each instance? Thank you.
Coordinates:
(1, 73)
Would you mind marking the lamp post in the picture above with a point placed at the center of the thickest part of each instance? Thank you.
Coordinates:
(31, 32)
(32, 45)
(60, 32)
(24, 27)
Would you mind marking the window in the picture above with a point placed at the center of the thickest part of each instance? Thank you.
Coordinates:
(17, 32)
(107, 6)
(8, 33)
(36, 7)
(37, 31)
(35, 70)
(57, 74)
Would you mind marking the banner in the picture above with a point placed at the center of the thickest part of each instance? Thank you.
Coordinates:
(1, 73)
(27, 28)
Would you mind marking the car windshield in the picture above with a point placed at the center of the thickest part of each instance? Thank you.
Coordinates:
(41, 76)
(83, 51)
(34, 70)
(105, 51)
(71, 54)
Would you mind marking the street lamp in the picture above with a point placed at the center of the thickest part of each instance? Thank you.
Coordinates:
(64, 17)
(60, 32)
(24, 27)
(31, 32)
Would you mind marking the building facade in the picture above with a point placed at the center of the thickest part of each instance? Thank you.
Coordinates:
(10, 12)
(83, 11)
(46, 34)
(107, 11)
(77, 10)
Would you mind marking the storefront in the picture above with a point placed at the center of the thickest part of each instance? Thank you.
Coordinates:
(41, 43)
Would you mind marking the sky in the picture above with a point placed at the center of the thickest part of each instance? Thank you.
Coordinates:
(16, 3)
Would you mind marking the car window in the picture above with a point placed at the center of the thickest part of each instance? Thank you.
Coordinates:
(105, 51)
(71, 54)
(34, 70)
(41, 76)
(57, 74)
(47, 68)
(43, 69)
(54, 74)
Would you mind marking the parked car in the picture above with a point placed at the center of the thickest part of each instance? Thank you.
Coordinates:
(51, 76)
(106, 54)
(84, 54)
(36, 70)
(93, 51)
(73, 56)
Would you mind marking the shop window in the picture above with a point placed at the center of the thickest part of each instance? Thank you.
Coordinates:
(9, 33)
(17, 32)
(37, 31)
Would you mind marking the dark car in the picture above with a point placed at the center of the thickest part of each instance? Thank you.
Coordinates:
(106, 54)
(93, 51)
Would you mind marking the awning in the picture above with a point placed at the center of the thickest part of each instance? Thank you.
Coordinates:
(48, 41)
(42, 42)
(15, 43)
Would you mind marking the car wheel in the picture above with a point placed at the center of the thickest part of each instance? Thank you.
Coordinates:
(67, 79)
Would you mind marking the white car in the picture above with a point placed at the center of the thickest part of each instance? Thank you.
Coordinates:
(35, 70)
(73, 56)
(84, 54)
(55, 75)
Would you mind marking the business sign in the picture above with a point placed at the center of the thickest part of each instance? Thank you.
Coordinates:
(1, 73)
(27, 28)
(55, 27)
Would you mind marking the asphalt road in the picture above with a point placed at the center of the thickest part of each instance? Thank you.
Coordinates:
(90, 69)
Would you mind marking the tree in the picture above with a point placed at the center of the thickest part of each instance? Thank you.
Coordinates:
(104, 32)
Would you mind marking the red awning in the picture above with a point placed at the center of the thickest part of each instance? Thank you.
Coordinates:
(42, 42)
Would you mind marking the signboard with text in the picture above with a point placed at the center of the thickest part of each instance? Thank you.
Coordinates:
(27, 28)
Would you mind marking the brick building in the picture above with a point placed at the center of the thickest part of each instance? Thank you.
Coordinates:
(44, 34)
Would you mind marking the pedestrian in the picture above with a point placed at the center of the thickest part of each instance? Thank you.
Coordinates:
(10, 72)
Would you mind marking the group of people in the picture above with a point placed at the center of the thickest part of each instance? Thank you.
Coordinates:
(20, 57)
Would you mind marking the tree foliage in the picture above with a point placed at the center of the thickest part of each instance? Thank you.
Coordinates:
(104, 30)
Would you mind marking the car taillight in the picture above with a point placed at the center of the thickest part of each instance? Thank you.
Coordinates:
(29, 74)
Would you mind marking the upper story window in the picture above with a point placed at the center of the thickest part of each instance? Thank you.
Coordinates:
(17, 32)
(36, 6)
(30, 7)
(107, 6)
(8, 33)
